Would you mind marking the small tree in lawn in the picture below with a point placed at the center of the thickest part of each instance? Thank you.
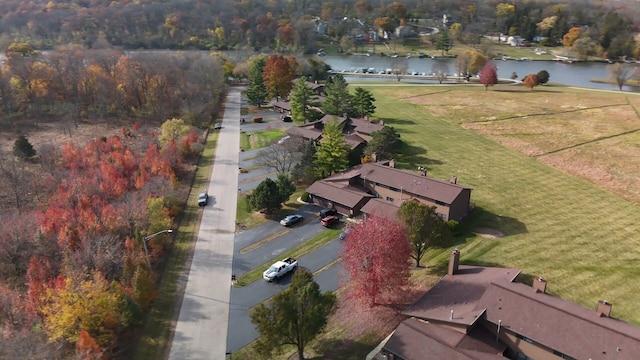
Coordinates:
(423, 226)
(531, 81)
(294, 317)
(375, 258)
(489, 75)
(266, 197)
(543, 77)
(286, 188)
(362, 102)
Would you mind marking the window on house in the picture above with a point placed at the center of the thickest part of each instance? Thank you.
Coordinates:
(390, 199)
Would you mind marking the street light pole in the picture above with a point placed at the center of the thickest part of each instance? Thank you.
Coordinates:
(149, 237)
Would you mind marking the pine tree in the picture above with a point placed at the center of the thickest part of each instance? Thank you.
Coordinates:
(266, 197)
(337, 98)
(257, 91)
(301, 96)
(333, 152)
(22, 148)
(362, 102)
(444, 41)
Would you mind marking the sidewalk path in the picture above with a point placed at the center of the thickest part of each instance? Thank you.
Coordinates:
(201, 330)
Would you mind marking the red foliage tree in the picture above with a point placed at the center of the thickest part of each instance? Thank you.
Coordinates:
(489, 75)
(531, 81)
(87, 348)
(376, 258)
(278, 74)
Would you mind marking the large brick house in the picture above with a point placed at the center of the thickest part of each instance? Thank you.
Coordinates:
(477, 312)
(381, 188)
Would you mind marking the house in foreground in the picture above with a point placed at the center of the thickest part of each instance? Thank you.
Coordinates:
(380, 188)
(477, 312)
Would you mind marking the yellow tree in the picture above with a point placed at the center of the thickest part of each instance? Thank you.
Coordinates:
(173, 130)
(93, 305)
(571, 36)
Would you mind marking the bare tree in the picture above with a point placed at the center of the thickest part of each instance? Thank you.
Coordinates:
(281, 157)
(17, 177)
(399, 66)
(620, 73)
(440, 70)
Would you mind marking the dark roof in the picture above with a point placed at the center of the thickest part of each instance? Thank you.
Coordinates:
(314, 85)
(309, 133)
(282, 104)
(576, 331)
(354, 141)
(429, 188)
(419, 340)
(459, 293)
(337, 192)
(363, 126)
(380, 207)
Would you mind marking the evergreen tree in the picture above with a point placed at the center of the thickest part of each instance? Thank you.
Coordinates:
(266, 197)
(424, 228)
(301, 97)
(305, 171)
(362, 102)
(257, 90)
(333, 153)
(382, 143)
(543, 77)
(285, 187)
(444, 41)
(294, 317)
(337, 98)
(22, 148)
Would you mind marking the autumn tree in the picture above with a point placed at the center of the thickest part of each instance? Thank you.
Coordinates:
(278, 74)
(620, 73)
(257, 90)
(489, 75)
(531, 81)
(424, 228)
(505, 14)
(301, 100)
(333, 152)
(265, 197)
(383, 143)
(172, 130)
(376, 259)
(362, 102)
(470, 62)
(337, 99)
(281, 158)
(571, 36)
(293, 317)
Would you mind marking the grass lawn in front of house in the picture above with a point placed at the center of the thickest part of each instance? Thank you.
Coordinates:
(258, 139)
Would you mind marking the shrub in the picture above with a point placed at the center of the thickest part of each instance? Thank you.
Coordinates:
(305, 197)
(453, 226)
(22, 148)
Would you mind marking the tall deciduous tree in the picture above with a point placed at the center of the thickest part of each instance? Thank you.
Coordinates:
(489, 75)
(362, 102)
(376, 259)
(333, 152)
(266, 197)
(301, 99)
(281, 157)
(337, 99)
(382, 143)
(294, 317)
(257, 91)
(423, 226)
(620, 73)
(278, 74)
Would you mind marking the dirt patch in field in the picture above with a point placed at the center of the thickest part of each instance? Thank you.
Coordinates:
(488, 233)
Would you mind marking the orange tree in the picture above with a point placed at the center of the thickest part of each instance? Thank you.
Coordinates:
(278, 74)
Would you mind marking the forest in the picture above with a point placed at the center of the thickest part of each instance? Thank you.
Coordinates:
(292, 26)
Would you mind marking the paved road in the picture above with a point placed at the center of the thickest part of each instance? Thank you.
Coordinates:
(201, 330)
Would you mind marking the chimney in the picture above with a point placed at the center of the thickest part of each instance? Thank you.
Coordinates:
(392, 163)
(604, 308)
(453, 179)
(540, 285)
(454, 261)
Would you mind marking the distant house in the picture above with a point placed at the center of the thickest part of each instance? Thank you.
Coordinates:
(357, 131)
(516, 40)
(282, 106)
(379, 188)
(478, 312)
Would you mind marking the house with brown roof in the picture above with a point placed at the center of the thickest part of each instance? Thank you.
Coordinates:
(381, 189)
(357, 132)
(477, 312)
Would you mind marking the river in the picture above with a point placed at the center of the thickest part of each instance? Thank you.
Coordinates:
(575, 74)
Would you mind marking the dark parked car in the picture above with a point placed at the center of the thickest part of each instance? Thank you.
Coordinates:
(329, 220)
(203, 198)
(286, 118)
(326, 212)
(291, 219)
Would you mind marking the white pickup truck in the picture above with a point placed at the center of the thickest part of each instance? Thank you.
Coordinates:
(279, 269)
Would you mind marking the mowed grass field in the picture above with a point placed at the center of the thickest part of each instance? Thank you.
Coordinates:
(554, 169)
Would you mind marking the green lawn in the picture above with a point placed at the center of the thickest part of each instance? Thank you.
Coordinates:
(259, 139)
(582, 239)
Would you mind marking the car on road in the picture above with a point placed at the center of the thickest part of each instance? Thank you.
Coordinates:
(286, 118)
(279, 269)
(330, 220)
(217, 126)
(326, 212)
(203, 198)
(291, 220)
